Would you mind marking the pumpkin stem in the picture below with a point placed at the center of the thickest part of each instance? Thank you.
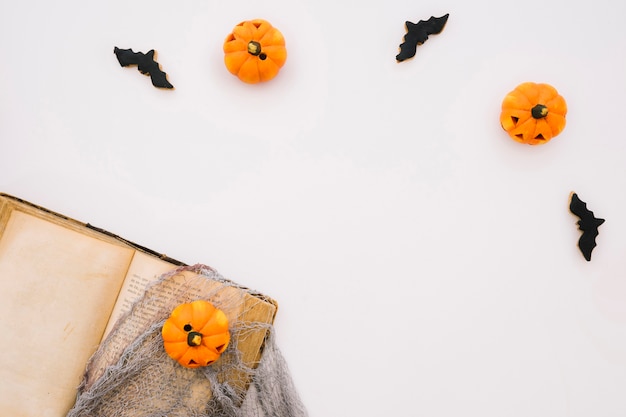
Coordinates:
(194, 338)
(539, 111)
(254, 48)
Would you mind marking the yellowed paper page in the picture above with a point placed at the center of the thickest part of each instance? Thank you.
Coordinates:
(144, 270)
(57, 291)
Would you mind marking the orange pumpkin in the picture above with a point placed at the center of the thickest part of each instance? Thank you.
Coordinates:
(533, 113)
(254, 51)
(195, 334)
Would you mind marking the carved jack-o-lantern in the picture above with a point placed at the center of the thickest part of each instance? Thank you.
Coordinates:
(533, 113)
(196, 334)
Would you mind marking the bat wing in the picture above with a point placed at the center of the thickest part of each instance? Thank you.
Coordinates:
(149, 66)
(588, 224)
(126, 57)
(417, 34)
(587, 242)
(159, 78)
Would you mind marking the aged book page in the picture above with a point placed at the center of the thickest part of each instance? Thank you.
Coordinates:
(57, 291)
(144, 270)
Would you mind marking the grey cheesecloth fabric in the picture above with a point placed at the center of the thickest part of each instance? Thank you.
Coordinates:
(131, 375)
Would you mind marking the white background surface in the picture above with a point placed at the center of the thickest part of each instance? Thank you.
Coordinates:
(424, 263)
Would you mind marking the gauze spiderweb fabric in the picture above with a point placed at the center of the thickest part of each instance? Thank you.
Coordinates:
(131, 375)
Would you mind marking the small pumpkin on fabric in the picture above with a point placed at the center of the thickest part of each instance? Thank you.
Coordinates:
(533, 113)
(255, 51)
(195, 334)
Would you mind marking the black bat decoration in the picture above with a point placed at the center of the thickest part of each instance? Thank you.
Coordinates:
(145, 64)
(588, 224)
(417, 33)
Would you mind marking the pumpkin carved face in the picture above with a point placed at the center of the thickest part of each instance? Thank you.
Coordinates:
(195, 334)
(533, 113)
(254, 51)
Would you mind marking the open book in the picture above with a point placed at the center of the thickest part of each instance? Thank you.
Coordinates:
(63, 286)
